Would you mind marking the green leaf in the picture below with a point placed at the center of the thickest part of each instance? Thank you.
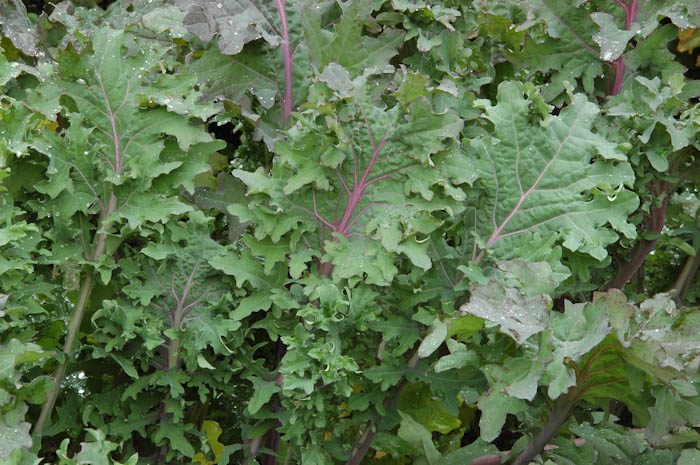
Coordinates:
(254, 302)
(418, 401)
(611, 39)
(455, 360)
(395, 445)
(689, 457)
(575, 333)
(337, 78)
(272, 252)
(315, 455)
(464, 326)
(13, 435)
(149, 208)
(358, 257)
(569, 53)
(229, 191)
(219, 70)
(236, 23)
(467, 454)
(165, 19)
(15, 353)
(414, 433)
(19, 28)
(519, 316)
(35, 392)
(614, 444)
(97, 452)
(244, 268)
(262, 393)
(669, 412)
(175, 435)
(113, 150)
(416, 252)
(652, 53)
(434, 339)
(537, 175)
(494, 407)
(522, 376)
(330, 46)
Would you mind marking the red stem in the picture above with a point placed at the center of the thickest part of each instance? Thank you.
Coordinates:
(619, 69)
(287, 53)
(358, 189)
(618, 66)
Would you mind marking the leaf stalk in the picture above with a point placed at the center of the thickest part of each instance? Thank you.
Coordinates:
(287, 54)
(75, 323)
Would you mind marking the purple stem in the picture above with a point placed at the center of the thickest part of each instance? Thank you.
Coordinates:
(358, 189)
(287, 53)
(645, 246)
(618, 66)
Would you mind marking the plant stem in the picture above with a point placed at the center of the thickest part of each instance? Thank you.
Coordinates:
(690, 268)
(75, 322)
(73, 328)
(362, 449)
(174, 353)
(559, 415)
(287, 54)
(358, 190)
(645, 246)
(618, 66)
(362, 446)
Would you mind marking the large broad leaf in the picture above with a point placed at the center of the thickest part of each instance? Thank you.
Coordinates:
(232, 77)
(517, 299)
(550, 173)
(180, 288)
(519, 316)
(113, 145)
(369, 170)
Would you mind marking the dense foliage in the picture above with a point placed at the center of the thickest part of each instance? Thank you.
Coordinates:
(323, 232)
